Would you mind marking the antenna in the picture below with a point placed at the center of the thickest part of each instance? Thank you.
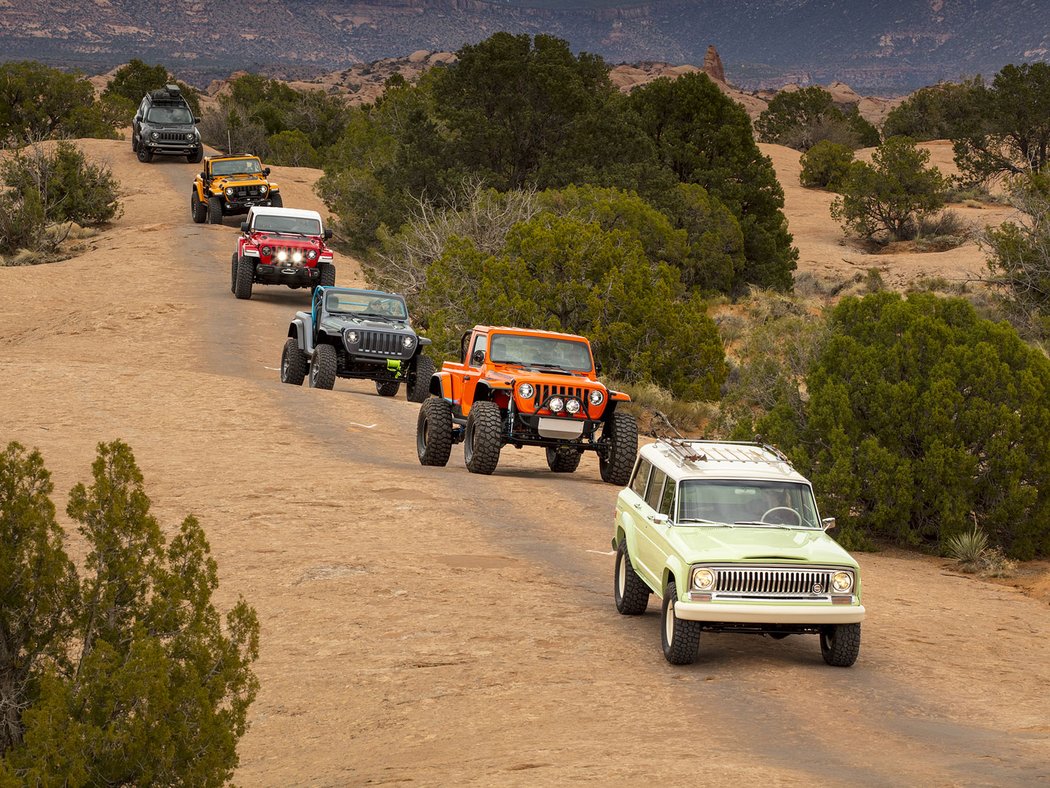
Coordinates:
(229, 141)
(677, 443)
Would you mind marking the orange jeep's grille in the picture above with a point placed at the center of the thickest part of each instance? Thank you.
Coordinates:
(543, 391)
(769, 582)
(380, 343)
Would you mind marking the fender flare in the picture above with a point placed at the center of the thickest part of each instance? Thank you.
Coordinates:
(441, 385)
(301, 330)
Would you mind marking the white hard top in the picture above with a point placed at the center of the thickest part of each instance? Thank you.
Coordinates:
(698, 459)
(298, 213)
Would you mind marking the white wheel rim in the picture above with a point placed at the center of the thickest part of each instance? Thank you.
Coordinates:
(669, 622)
(621, 576)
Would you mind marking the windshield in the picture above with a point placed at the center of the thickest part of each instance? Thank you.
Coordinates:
(179, 115)
(540, 351)
(287, 224)
(747, 502)
(236, 166)
(359, 302)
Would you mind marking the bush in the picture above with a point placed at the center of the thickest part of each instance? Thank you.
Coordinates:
(883, 201)
(920, 413)
(826, 166)
(803, 118)
(125, 676)
(22, 224)
(292, 149)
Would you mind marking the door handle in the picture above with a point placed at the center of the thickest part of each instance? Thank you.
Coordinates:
(637, 506)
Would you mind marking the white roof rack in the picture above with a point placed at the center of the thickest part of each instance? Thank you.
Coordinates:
(691, 452)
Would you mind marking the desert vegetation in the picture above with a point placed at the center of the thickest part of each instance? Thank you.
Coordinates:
(803, 118)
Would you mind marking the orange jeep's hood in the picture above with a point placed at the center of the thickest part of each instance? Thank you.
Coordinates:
(510, 374)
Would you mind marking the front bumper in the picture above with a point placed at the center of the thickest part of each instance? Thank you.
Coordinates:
(287, 275)
(163, 148)
(232, 206)
(767, 613)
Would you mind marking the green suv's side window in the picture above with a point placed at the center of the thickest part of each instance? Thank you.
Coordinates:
(656, 488)
(667, 501)
(641, 477)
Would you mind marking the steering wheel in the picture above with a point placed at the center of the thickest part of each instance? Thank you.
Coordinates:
(781, 509)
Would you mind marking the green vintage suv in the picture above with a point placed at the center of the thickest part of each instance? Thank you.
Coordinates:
(728, 535)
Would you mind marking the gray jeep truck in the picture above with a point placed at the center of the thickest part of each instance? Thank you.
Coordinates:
(363, 334)
(164, 124)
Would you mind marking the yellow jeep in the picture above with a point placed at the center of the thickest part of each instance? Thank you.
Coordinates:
(229, 186)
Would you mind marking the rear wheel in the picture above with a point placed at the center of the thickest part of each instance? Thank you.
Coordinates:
(417, 388)
(619, 445)
(198, 210)
(215, 210)
(294, 364)
(276, 201)
(563, 459)
(481, 444)
(840, 644)
(242, 285)
(434, 432)
(387, 388)
(630, 592)
(323, 367)
(681, 639)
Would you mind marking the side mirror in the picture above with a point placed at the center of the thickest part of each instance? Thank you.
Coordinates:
(204, 175)
(196, 119)
(244, 227)
(828, 523)
(659, 519)
(327, 233)
(597, 367)
(477, 358)
(266, 170)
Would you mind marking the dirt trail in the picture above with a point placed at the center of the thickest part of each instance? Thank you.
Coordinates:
(432, 626)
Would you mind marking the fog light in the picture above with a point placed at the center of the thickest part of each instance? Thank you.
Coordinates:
(572, 406)
(282, 255)
(557, 405)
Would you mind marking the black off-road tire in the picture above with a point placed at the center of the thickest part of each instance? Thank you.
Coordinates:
(294, 363)
(326, 277)
(434, 432)
(840, 644)
(242, 286)
(563, 459)
(198, 210)
(134, 142)
(681, 644)
(194, 158)
(481, 443)
(215, 210)
(417, 387)
(619, 447)
(276, 201)
(323, 366)
(233, 273)
(630, 592)
(387, 388)
(145, 154)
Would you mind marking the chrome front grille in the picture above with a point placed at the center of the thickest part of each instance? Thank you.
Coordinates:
(382, 343)
(772, 583)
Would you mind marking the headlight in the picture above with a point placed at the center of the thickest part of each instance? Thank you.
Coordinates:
(351, 337)
(311, 255)
(842, 582)
(556, 404)
(154, 135)
(267, 251)
(596, 397)
(262, 190)
(703, 579)
(572, 405)
(229, 191)
(297, 257)
(282, 255)
(189, 136)
(525, 391)
(408, 341)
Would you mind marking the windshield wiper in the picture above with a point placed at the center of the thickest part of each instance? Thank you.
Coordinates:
(703, 521)
(766, 525)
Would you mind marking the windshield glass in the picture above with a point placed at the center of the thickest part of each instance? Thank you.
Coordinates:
(361, 302)
(287, 224)
(540, 351)
(747, 501)
(236, 166)
(179, 115)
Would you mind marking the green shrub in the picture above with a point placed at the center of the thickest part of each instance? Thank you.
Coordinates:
(826, 166)
(967, 547)
(292, 149)
(22, 223)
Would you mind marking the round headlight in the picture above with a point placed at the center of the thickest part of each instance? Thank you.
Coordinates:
(229, 191)
(703, 579)
(556, 404)
(311, 255)
(189, 136)
(351, 336)
(596, 397)
(155, 135)
(572, 405)
(842, 582)
(262, 190)
(266, 251)
(297, 257)
(525, 391)
(282, 255)
(408, 341)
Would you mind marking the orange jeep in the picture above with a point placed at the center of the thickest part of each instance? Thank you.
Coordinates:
(526, 388)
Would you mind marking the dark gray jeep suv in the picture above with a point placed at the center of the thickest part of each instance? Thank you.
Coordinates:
(164, 125)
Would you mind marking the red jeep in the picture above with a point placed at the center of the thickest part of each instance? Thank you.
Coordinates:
(281, 246)
(526, 388)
